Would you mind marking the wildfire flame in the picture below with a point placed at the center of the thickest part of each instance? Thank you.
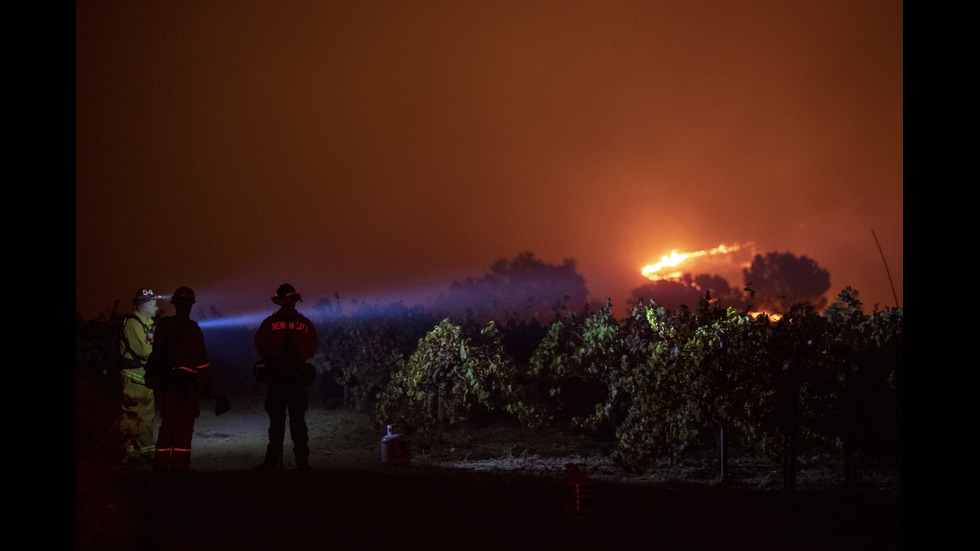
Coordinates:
(676, 258)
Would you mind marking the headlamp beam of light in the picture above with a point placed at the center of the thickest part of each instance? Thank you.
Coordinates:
(233, 321)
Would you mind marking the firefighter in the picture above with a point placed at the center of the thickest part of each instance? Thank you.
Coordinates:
(181, 339)
(285, 341)
(138, 409)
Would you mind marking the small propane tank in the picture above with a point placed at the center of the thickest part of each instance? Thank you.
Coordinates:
(578, 491)
(394, 447)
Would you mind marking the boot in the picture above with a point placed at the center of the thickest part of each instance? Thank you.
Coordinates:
(302, 464)
(271, 464)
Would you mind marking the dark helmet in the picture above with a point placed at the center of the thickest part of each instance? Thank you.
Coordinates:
(145, 294)
(286, 294)
(184, 295)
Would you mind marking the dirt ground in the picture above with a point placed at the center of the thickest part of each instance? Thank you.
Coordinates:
(489, 490)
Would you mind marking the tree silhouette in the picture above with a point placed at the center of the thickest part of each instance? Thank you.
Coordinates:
(672, 294)
(522, 289)
(782, 280)
(669, 294)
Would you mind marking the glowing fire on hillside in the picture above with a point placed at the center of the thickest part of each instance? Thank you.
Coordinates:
(674, 259)
(667, 268)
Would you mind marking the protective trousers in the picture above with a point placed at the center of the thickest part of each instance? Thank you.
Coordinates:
(138, 410)
(282, 399)
(178, 410)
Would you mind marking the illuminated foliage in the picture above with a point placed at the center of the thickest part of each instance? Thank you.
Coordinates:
(566, 374)
(447, 376)
(359, 351)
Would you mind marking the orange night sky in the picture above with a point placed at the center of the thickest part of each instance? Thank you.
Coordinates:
(384, 149)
